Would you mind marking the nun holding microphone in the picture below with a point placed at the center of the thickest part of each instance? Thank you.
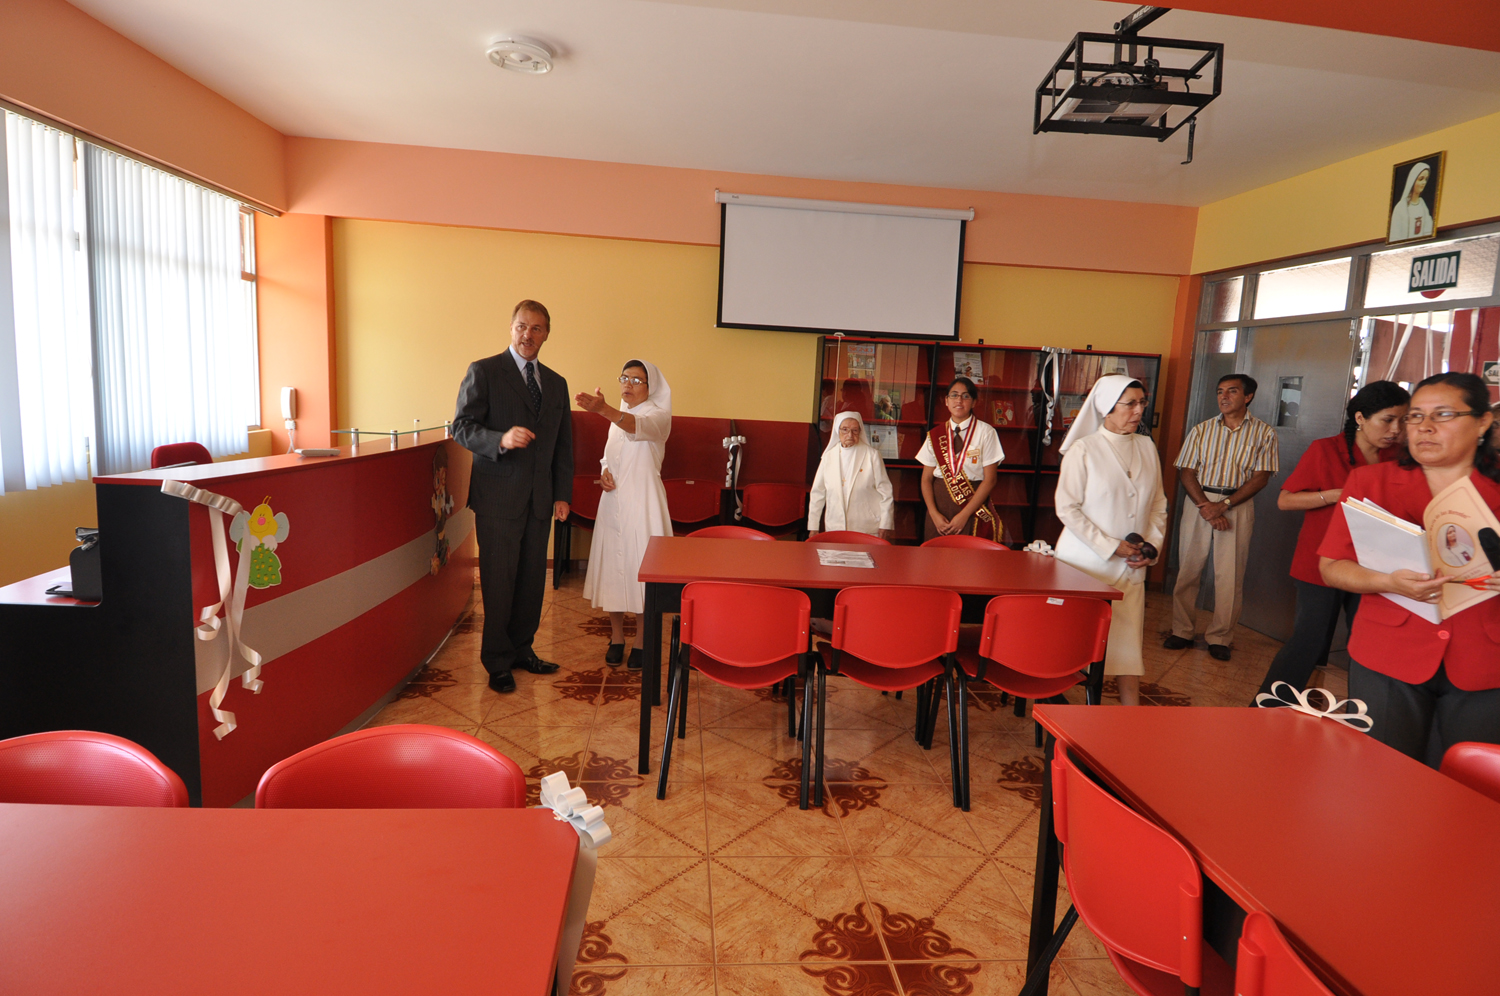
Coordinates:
(1114, 513)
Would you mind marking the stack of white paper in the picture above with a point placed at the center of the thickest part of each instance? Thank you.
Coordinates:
(844, 558)
(1386, 543)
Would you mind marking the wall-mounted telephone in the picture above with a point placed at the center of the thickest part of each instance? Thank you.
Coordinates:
(289, 414)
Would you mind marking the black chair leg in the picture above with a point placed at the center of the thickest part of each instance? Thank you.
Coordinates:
(674, 702)
(1020, 709)
(790, 685)
(921, 723)
(955, 771)
(807, 707)
(963, 731)
(898, 696)
(818, 755)
(1004, 697)
(686, 674)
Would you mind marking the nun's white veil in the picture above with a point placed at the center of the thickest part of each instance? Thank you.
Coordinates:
(833, 439)
(1101, 401)
(659, 392)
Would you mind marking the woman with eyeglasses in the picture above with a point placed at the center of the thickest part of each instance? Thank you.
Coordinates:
(1421, 678)
(963, 453)
(633, 507)
(851, 489)
(1109, 488)
(1372, 430)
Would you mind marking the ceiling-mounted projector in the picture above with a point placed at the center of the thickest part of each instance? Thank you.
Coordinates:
(1124, 84)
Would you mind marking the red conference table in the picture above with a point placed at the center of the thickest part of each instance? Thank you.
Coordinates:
(317, 901)
(673, 561)
(1383, 873)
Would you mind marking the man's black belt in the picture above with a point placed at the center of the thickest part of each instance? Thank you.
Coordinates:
(1218, 491)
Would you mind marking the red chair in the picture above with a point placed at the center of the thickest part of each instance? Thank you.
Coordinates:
(729, 532)
(82, 768)
(776, 505)
(1037, 647)
(1475, 765)
(692, 501)
(742, 636)
(409, 766)
(962, 541)
(1267, 965)
(848, 536)
(173, 454)
(583, 510)
(895, 638)
(1136, 887)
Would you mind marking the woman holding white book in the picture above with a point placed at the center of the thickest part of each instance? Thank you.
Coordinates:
(1419, 677)
(1372, 430)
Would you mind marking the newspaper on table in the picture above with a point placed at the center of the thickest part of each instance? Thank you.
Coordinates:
(844, 558)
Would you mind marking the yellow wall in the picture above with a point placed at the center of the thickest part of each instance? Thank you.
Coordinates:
(416, 303)
(38, 528)
(1346, 203)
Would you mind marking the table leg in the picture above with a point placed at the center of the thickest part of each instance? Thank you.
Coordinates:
(1044, 892)
(1093, 686)
(650, 669)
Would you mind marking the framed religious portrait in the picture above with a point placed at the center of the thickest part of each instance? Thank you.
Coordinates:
(1416, 192)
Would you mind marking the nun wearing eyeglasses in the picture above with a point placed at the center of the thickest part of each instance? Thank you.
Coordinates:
(851, 489)
(633, 507)
(1108, 488)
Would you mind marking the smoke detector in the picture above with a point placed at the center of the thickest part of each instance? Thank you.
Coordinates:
(522, 55)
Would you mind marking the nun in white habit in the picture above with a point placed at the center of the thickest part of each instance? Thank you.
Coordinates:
(851, 489)
(633, 507)
(1109, 486)
(1410, 218)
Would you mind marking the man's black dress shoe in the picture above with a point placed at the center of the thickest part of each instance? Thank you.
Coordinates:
(1175, 642)
(1218, 651)
(535, 665)
(615, 654)
(635, 660)
(503, 682)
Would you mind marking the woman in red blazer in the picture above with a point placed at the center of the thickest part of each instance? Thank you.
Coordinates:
(1418, 676)
(1372, 434)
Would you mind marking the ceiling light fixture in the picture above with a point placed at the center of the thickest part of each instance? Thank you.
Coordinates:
(522, 55)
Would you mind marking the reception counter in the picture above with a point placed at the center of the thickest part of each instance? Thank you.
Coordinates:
(347, 592)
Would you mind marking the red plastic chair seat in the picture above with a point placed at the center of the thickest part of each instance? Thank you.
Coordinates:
(1267, 965)
(84, 768)
(1475, 765)
(967, 542)
(763, 676)
(586, 495)
(175, 453)
(848, 536)
(691, 501)
(1218, 977)
(730, 532)
(407, 766)
(1026, 686)
(885, 679)
(775, 504)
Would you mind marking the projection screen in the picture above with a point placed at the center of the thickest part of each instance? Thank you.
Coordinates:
(831, 266)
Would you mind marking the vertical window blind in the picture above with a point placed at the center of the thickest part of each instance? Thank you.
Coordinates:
(129, 323)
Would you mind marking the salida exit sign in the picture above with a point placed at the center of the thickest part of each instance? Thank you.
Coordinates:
(1431, 275)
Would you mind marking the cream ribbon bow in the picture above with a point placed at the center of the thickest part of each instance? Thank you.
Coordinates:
(1039, 546)
(571, 806)
(1359, 719)
(209, 623)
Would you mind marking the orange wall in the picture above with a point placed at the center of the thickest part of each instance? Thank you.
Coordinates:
(661, 204)
(294, 299)
(63, 63)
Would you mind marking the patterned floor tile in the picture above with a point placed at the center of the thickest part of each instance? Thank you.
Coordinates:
(945, 909)
(912, 820)
(807, 980)
(974, 978)
(655, 911)
(763, 819)
(815, 904)
(605, 979)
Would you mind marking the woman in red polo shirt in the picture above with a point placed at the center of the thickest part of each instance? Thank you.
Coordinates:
(1372, 428)
(1417, 676)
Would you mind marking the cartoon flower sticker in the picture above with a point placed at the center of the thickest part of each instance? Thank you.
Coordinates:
(261, 530)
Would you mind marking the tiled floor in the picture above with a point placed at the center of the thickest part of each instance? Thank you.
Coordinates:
(727, 887)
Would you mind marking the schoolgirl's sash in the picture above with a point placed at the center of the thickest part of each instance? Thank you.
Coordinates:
(960, 489)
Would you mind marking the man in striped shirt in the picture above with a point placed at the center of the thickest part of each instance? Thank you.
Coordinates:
(1223, 463)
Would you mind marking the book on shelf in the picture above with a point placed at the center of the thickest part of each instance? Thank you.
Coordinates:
(1005, 413)
(861, 360)
(1068, 407)
(969, 364)
(1446, 543)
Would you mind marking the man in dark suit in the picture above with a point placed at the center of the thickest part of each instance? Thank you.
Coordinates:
(513, 416)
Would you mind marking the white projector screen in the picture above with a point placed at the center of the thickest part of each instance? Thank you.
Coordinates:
(824, 266)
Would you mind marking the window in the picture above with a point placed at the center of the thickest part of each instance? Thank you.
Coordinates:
(1314, 289)
(131, 318)
(1391, 273)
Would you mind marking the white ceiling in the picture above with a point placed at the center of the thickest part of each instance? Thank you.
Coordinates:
(932, 93)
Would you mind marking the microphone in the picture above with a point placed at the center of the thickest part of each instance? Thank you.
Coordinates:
(1490, 544)
(1150, 552)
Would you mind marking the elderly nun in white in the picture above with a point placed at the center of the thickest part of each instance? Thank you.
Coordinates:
(851, 489)
(1109, 487)
(633, 507)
